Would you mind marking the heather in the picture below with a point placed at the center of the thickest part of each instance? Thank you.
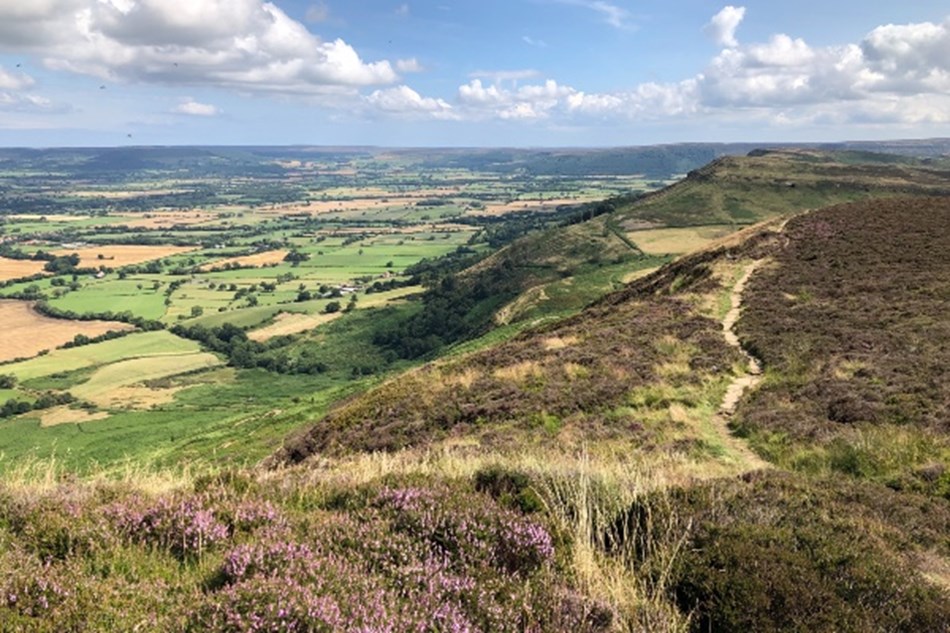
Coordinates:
(240, 554)
(851, 324)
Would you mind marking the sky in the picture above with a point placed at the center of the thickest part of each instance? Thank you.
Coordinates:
(531, 73)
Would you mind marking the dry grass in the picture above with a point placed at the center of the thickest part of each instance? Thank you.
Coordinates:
(116, 255)
(52, 217)
(266, 258)
(291, 323)
(66, 415)
(16, 268)
(527, 205)
(519, 372)
(678, 241)
(169, 219)
(25, 332)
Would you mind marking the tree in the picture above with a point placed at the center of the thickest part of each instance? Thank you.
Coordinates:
(333, 306)
(7, 381)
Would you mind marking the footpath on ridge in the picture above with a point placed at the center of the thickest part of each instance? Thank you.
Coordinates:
(740, 384)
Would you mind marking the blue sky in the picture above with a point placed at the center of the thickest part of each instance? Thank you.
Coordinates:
(487, 73)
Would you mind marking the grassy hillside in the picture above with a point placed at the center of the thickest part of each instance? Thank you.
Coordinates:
(525, 281)
(647, 364)
(592, 473)
(856, 539)
(744, 190)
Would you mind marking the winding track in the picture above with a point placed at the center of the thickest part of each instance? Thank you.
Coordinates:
(740, 384)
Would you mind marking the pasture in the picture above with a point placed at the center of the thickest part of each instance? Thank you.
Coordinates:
(26, 333)
(118, 385)
(138, 345)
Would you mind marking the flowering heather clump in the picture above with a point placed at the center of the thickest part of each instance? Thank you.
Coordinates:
(35, 591)
(184, 527)
(470, 528)
(266, 604)
(251, 514)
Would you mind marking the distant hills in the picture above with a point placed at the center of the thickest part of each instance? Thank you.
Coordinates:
(651, 161)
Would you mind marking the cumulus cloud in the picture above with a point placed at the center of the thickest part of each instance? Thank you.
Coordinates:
(194, 108)
(245, 44)
(722, 27)
(405, 102)
(895, 75)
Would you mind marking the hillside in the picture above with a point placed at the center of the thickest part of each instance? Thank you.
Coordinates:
(850, 506)
(527, 280)
(744, 190)
(752, 437)
(852, 325)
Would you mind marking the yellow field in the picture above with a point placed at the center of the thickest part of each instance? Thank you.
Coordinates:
(258, 259)
(65, 415)
(16, 268)
(128, 193)
(678, 241)
(317, 207)
(114, 386)
(291, 323)
(528, 205)
(53, 217)
(114, 256)
(26, 333)
(166, 220)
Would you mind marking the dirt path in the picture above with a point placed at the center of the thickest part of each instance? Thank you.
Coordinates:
(741, 384)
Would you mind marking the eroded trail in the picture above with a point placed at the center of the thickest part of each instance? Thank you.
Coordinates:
(740, 384)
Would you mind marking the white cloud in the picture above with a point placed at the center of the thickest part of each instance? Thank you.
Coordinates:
(614, 15)
(405, 102)
(14, 80)
(191, 107)
(534, 101)
(530, 41)
(722, 27)
(403, 10)
(897, 75)
(410, 65)
(250, 45)
(499, 76)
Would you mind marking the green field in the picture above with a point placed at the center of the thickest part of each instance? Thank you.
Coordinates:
(137, 370)
(131, 346)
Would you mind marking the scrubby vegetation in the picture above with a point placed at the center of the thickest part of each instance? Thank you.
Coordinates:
(570, 467)
(775, 552)
(851, 322)
(240, 554)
